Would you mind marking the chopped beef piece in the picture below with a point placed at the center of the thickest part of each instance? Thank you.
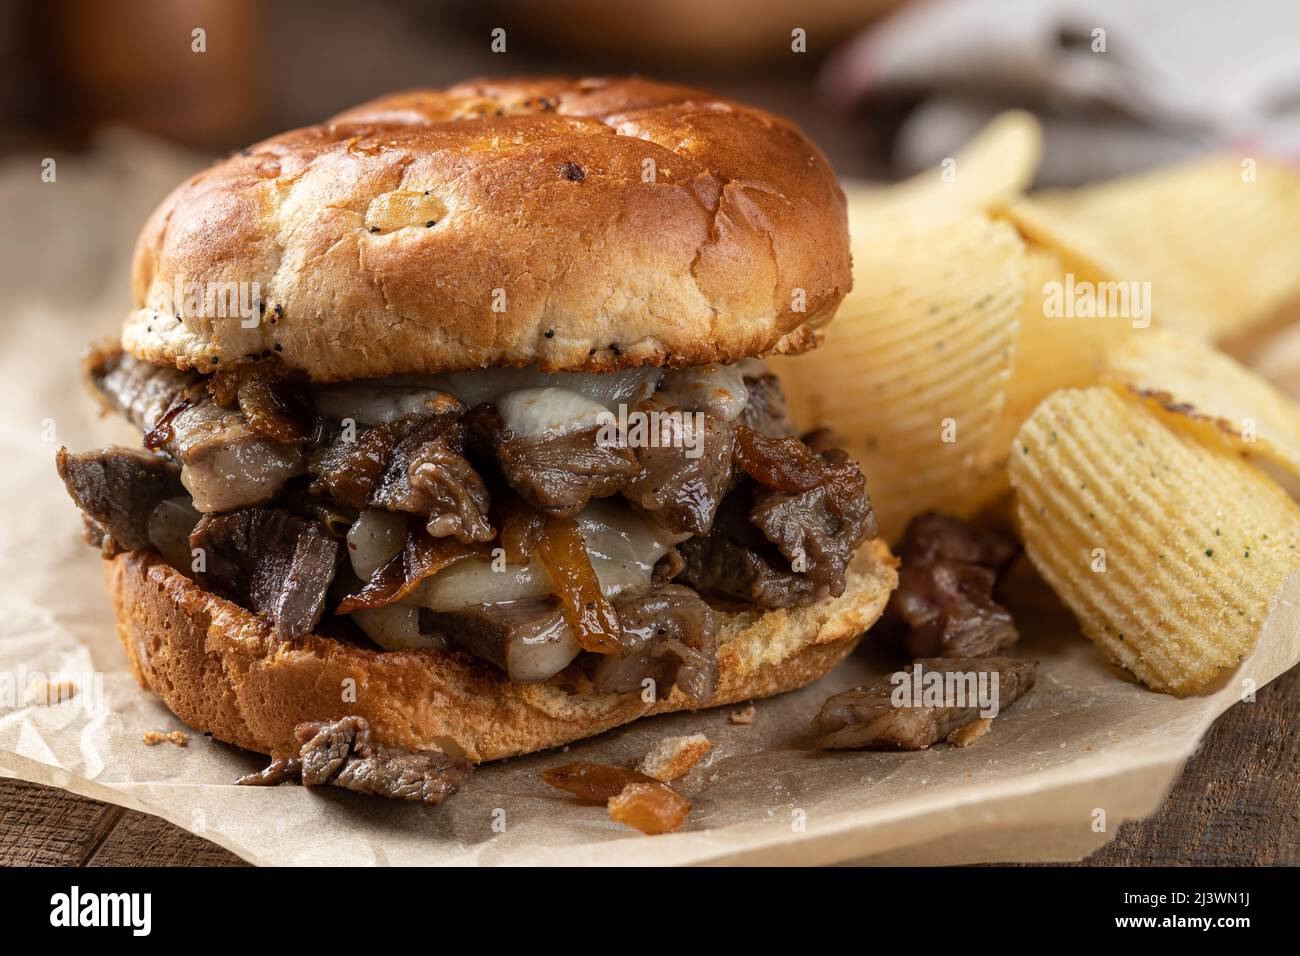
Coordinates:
(341, 753)
(671, 636)
(117, 489)
(867, 716)
(717, 563)
(347, 467)
(270, 560)
(819, 530)
(528, 639)
(734, 560)
(766, 411)
(681, 492)
(225, 463)
(445, 486)
(413, 465)
(558, 474)
(276, 408)
(944, 602)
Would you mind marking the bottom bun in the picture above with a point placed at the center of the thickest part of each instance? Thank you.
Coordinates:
(219, 669)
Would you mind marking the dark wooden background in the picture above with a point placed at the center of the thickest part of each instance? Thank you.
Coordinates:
(1237, 803)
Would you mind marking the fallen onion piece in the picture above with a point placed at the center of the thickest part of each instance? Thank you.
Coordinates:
(593, 782)
(563, 553)
(422, 556)
(631, 797)
(649, 807)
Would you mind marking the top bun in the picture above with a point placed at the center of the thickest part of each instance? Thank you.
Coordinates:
(577, 225)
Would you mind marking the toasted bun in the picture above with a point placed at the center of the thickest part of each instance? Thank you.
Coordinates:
(576, 224)
(217, 666)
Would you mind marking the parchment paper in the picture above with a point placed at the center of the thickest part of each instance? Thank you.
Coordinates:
(1059, 770)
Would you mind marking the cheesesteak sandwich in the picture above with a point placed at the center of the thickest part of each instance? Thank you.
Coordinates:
(490, 461)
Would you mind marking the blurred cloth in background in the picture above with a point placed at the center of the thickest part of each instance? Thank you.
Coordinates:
(1176, 77)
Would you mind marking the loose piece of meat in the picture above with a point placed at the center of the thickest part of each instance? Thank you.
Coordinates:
(631, 798)
(680, 492)
(225, 462)
(342, 753)
(117, 489)
(669, 635)
(944, 603)
(268, 559)
(557, 474)
(867, 717)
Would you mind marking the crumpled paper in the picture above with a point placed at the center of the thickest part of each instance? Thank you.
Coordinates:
(1052, 780)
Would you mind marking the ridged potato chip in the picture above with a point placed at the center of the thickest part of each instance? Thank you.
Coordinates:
(1055, 348)
(990, 171)
(914, 367)
(1215, 238)
(1195, 387)
(1168, 551)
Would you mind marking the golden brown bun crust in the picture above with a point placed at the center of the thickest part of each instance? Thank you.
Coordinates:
(217, 667)
(624, 222)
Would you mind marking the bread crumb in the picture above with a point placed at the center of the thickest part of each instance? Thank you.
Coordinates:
(967, 735)
(743, 717)
(178, 737)
(672, 757)
(46, 692)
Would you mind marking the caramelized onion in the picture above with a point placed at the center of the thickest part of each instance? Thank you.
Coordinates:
(631, 797)
(649, 807)
(591, 618)
(422, 556)
(783, 464)
(593, 782)
(521, 528)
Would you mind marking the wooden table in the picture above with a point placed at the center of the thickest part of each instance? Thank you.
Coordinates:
(1236, 803)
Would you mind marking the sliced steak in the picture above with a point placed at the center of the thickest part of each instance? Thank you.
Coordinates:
(868, 717)
(682, 482)
(766, 411)
(944, 603)
(557, 474)
(721, 564)
(671, 636)
(225, 462)
(413, 465)
(819, 530)
(342, 753)
(268, 559)
(117, 489)
(528, 639)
